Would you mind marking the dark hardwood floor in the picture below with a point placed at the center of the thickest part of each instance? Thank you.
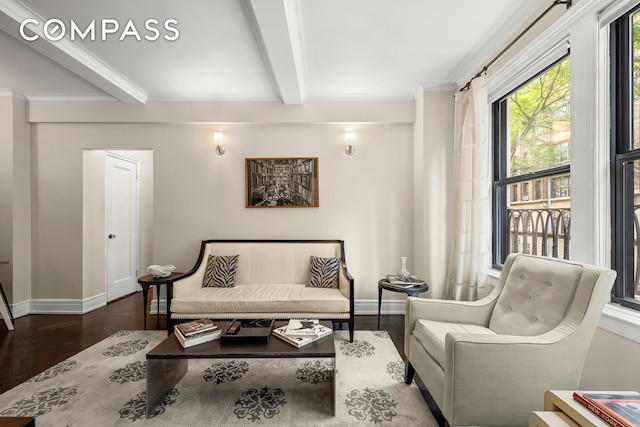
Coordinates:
(40, 341)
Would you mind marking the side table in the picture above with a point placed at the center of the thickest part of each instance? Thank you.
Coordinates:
(148, 281)
(412, 290)
(561, 409)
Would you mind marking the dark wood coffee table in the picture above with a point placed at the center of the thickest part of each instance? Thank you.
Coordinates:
(168, 362)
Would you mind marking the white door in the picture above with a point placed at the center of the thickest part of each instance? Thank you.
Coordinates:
(122, 226)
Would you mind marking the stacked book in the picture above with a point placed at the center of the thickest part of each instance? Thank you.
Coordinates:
(300, 332)
(196, 332)
(412, 281)
(619, 409)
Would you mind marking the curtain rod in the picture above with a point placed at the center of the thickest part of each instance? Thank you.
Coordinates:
(514, 41)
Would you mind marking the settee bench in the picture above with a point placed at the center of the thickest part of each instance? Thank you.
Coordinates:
(270, 280)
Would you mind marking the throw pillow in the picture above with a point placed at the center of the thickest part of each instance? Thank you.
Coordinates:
(324, 272)
(221, 271)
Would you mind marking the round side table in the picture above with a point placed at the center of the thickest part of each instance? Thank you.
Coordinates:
(146, 282)
(410, 290)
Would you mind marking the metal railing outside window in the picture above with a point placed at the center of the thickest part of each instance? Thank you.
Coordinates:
(543, 232)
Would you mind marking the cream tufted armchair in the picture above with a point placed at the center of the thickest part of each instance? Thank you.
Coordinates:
(489, 362)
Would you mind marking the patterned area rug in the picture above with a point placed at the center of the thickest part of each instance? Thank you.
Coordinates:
(105, 386)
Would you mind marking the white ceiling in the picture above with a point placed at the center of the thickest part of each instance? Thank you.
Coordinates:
(257, 50)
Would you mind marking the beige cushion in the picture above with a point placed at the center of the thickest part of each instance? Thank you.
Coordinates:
(431, 335)
(536, 296)
(257, 298)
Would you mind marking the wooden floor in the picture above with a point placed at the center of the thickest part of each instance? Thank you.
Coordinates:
(40, 341)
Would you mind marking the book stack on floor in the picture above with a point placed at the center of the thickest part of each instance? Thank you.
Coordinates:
(619, 409)
(196, 332)
(300, 332)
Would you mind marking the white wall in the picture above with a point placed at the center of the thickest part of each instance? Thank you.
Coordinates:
(365, 199)
(15, 208)
(6, 192)
(93, 223)
(433, 177)
(611, 363)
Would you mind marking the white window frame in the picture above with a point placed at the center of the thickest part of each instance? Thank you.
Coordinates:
(585, 27)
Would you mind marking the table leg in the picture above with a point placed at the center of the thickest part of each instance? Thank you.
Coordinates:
(379, 305)
(145, 295)
(162, 376)
(333, 387)
(158, 313)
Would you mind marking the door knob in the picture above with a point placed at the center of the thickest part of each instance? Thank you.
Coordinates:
(112, 236)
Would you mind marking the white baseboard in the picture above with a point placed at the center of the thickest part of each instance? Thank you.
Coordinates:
(60, 306)
(20, 309)
(153, 309)
(387, 307)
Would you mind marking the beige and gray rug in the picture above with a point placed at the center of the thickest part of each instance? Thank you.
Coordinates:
(105, 386)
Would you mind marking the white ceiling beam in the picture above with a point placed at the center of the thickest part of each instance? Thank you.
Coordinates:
(278, 29)
(69, 54)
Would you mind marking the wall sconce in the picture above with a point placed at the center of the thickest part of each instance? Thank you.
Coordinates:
(350, 137)
(218, 140)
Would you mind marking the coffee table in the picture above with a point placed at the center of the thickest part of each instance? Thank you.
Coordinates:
(168, 362)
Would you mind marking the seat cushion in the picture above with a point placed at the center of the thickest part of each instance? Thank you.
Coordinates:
(262, 298)
(431, 335)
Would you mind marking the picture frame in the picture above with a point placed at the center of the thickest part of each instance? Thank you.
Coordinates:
(282, 182)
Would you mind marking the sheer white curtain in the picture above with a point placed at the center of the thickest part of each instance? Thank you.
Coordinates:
(470, 257)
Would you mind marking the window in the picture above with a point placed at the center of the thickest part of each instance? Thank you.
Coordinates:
(625, 148)
(538, 190)
(531, 140)
(560, 187)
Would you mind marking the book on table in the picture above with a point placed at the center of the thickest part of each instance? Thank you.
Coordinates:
(619, 408)
(410, 282)
(306, 328)
(197, 338)
(300, 341)
(195, 326)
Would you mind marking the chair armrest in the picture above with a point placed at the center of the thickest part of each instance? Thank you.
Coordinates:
(473, 312)
(492, 365)
(346, 286)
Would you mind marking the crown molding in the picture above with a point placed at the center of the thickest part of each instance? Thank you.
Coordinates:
(67, 97)
(69, 54)
(433, 87)
(487, 48)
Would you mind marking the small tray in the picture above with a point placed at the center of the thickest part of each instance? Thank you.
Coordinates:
(251, 331)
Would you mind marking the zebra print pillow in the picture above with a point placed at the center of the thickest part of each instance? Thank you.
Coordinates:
(324, 272)
(221, 271)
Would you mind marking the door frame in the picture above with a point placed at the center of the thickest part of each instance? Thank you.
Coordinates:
(136, 240)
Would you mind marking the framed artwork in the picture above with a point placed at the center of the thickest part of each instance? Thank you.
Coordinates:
(282, 182)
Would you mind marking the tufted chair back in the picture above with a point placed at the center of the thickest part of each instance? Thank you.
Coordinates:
(536, 296)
